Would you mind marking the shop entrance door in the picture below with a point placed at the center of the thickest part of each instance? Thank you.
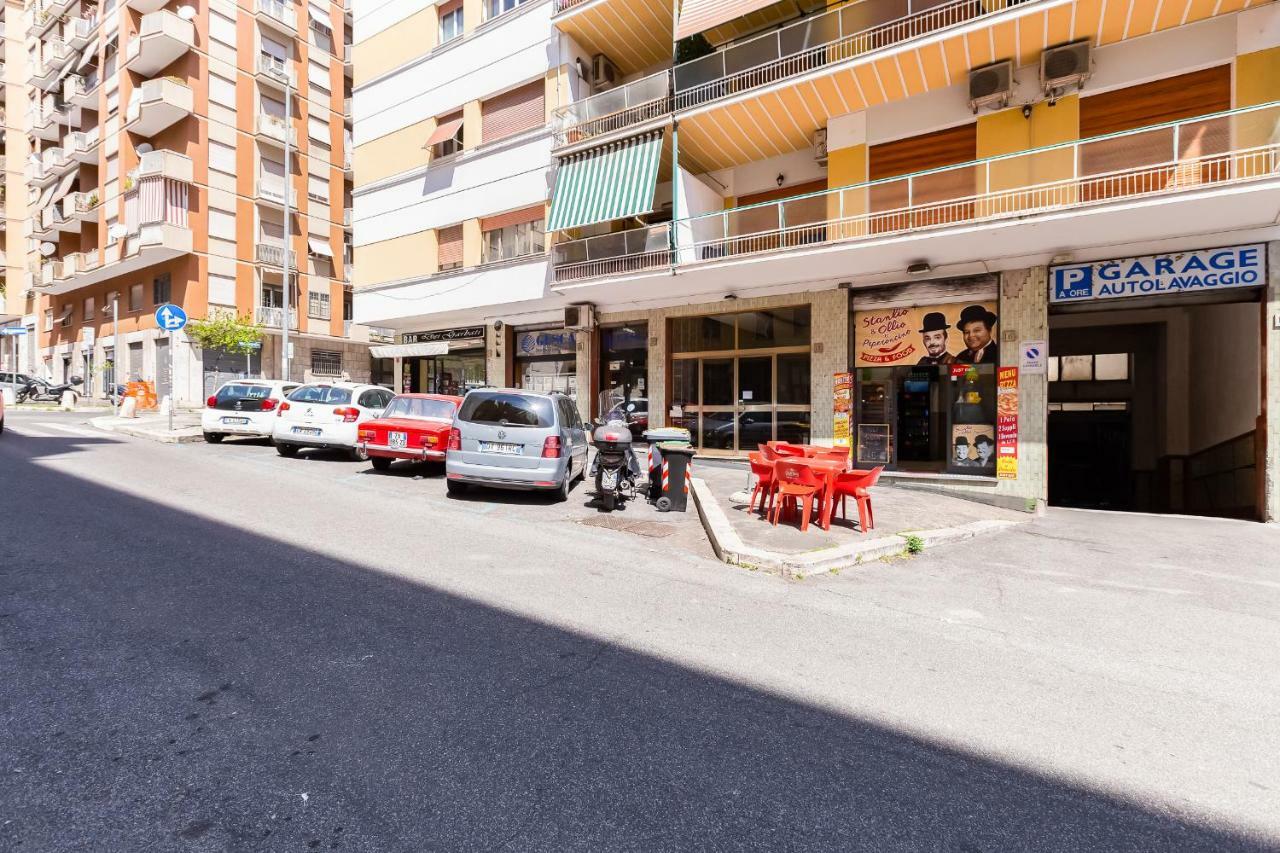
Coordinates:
(737, 406)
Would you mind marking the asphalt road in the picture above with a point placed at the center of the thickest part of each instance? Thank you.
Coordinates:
(215, 649)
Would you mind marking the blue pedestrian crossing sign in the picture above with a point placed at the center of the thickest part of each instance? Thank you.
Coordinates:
(170, 317)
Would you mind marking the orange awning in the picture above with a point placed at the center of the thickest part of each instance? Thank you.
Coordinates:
(443, 132)
(699, 15)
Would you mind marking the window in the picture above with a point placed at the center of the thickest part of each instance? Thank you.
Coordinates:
(321, 35)
(513, 112)
(222, 224)
(318, 188)
(113, 168)
(222, 289)
(222, 28)
(1102, 367)
(318, 129)
(68, 313)
(453, 144)
(449, 244)
(88, 308)
(322, 393)
(494, 8)
(113, 101)
(513, 241)
(112, 222)
(112, 298)
(327, 362)
(48, 320)
(135, 297)
(319, 76)
(416, 408)
(508, 410)
(223, 91)
(450, 21)
(318, 305)
(161, 289)
(222, 158)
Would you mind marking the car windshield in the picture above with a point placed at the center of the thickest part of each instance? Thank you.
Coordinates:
(420, 409)
(506, 410)
(238, 391)
(321, 394)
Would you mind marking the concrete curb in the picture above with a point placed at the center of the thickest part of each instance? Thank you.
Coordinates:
(730, 548)
(178, 436)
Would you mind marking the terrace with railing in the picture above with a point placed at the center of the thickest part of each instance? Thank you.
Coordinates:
(814, 42)
(1222, 149)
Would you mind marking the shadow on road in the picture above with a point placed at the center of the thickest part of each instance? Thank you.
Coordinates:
(175, 683)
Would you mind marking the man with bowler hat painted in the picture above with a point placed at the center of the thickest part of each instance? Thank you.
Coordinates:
(976, 324)
(933, 332)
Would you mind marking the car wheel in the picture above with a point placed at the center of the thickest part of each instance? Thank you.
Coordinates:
(562, 493)
(381, 463)
(287, 450)
(454, 487)
(358, 454)
(213, 437)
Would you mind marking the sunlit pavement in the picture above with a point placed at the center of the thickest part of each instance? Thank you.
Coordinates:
(214, 648)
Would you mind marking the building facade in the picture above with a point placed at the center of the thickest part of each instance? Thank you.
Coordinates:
(1023, 252)
(156, 137)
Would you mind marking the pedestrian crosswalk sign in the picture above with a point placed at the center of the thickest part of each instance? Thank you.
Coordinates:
(170, 317)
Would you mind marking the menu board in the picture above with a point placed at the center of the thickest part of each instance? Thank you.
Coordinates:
(957, 333)
(1007, 423)
(843, 408)
(875, 445)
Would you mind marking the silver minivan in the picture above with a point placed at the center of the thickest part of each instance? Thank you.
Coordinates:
(511, 439)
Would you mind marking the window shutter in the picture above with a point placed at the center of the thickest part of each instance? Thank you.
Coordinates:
(512, 112)
(450, 245)
(514, 217)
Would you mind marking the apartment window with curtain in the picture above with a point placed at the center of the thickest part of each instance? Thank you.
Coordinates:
(318, 76)
(513, 112)
(318, 130)
(321, 32)
(223, 91)
(512, 235)
(318, 188)
(88, 308)
(135, 297)
(317, 305)
(494, 8)
(450, 20)
(449, 245)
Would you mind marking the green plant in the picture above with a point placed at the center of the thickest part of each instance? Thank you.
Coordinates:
(238, 335)
(914, 543)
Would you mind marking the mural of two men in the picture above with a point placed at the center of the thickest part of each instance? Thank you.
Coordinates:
(976, 325)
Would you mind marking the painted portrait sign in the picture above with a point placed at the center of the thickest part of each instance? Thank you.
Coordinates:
(956, 333)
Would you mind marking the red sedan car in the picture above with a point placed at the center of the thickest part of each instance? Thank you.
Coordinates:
(413, 426)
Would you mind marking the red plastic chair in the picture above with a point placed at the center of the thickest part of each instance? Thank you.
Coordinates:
(835, 454)
(788, 450)
(794, 483)
(768, 454)
(857, 485)
(763, 470)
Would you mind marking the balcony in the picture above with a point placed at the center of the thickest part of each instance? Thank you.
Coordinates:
(84, 206)
(146, 6)
(164, 163)
(83, 145)
(271, 317)
(270, 191)
(82, 90)
(1223, 168)
(275, 129)
(153, 241)
(157, 104)
(632, 107)
(55, 161)
(46, 71)
(161, 39)
(54, 218)
(272, 255)
(82, 30)
(274, 71)
(278, 16)
(41, 124)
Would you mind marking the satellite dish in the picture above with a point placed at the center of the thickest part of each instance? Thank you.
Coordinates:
(47, 249)
(115, 232)
(145, 148)
(186, 13)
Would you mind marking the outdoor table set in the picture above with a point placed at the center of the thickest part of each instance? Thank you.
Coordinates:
(810, 480)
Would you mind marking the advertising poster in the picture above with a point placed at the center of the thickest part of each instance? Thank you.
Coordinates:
(843, 407)
(1007, 423)
(958, 333)
(973, 446)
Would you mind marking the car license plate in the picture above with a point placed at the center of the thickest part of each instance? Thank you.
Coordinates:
(499, 447)
(235, 420)
(397, 439)
(609, 479)
(306, 431)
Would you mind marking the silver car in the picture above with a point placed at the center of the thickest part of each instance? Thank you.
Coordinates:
(511, 439)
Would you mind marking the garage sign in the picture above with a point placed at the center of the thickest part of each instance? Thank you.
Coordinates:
(1203, 271)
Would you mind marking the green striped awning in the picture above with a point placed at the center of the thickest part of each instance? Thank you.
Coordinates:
(610, 182)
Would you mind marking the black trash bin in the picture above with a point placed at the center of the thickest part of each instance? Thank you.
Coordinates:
(674, 436)
(677, 465)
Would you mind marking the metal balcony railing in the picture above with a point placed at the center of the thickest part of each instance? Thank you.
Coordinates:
(275, 67)
(625, 106)
(273, 255)
(1226, 148)
(279, 11)
(271, 317)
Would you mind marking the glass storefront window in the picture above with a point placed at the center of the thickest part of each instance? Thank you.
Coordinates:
(781, 327)
(702, 334)
(793, 379)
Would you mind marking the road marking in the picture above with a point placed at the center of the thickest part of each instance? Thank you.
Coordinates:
(74, 430)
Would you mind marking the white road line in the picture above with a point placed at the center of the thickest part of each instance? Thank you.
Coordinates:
(87, 432)
(25, 430)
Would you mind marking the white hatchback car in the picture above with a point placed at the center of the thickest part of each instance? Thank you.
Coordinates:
(244, 407)
(327, 414)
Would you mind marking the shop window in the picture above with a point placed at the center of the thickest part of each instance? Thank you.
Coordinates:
(325, 362)
(781, 327)
(514, 241)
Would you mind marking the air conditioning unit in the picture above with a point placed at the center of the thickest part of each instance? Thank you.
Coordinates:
(820, 146)
(991, 86)
(1064, 66)
(604, 74)
(580, 317)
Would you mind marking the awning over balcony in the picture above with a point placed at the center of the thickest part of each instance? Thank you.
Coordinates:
(610, 182)
(320, 247)
(444, 131)
(699, 15)
(64, 185)
(407, 350)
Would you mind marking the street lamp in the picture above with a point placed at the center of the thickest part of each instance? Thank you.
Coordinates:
(283, 74)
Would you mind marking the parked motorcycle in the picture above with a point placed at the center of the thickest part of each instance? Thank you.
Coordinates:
(614, 466)
(37, 390)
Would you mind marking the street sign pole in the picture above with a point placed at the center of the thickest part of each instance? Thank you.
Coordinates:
(172, 319)
(173, 340)
(115, 355)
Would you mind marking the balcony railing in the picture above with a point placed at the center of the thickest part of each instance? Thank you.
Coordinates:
(273, 255)
(272, 317)
(275, 68)
(1221, 149)
(279, 12)
(276, 128)
(625, 106)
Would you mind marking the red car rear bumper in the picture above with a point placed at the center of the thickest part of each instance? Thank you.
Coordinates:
(421, 453)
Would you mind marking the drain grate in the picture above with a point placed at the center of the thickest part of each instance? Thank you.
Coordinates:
(650, 529)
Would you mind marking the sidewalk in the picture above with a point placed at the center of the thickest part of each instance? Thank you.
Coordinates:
(155, 427)
(745, 538)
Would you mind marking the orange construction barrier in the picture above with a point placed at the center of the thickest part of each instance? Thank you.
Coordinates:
(145, 395)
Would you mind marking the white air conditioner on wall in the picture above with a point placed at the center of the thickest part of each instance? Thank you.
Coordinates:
(604, 74)
(580, 318)
(1065, 66)
(991, 86)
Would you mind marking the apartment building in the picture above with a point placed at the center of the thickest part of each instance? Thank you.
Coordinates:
(1023, 252)
(15, 302)
(157, 173)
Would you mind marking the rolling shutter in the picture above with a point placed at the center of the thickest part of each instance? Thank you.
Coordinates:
(450, 245)
(927, 151)
(514, 217)
(512, 112)
(1170, 99)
